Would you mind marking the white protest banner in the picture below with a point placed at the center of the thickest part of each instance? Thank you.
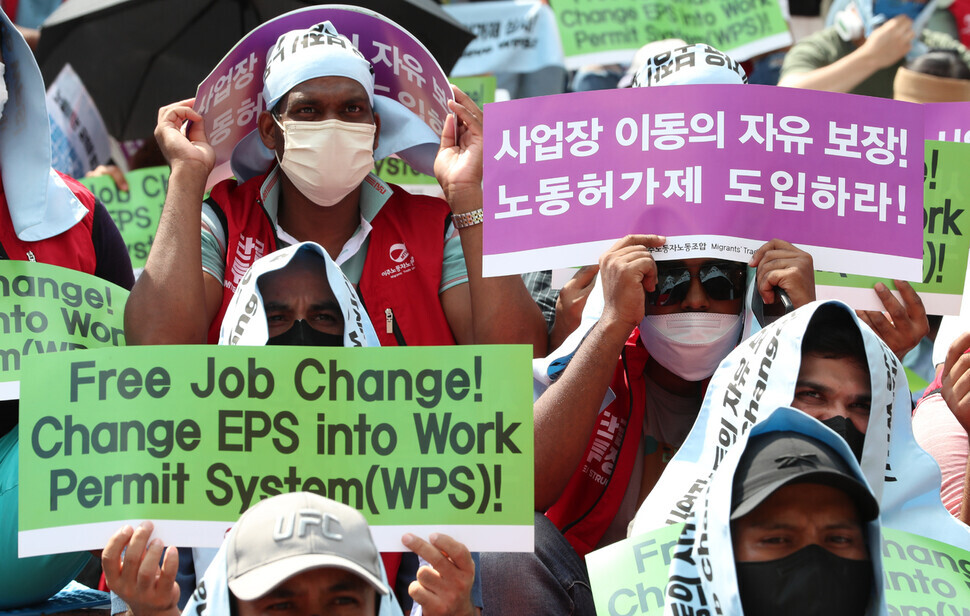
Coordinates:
(510, 35)
(79, 138)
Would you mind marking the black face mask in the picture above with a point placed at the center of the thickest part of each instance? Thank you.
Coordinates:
(301, 334)
(844, 427)
(810, 582)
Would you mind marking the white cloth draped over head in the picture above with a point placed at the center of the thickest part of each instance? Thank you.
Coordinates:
(760, 375)
(245, 321)
(290, 62)
(40, 203)
(211, 596)
(705, 552)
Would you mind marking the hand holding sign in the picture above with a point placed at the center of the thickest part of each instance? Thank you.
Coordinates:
(132, 571)
(445, 587)
(956, 381)
(180, 144)
(628, 269)
(458, 165)
(907, 323)
(782, 265)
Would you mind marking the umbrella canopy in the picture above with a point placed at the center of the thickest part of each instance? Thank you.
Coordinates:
(136, 55)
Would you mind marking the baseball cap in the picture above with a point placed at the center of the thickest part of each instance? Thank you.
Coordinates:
(777, 459)
(291, 533)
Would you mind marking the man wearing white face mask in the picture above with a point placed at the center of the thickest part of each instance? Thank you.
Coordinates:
(319, 132)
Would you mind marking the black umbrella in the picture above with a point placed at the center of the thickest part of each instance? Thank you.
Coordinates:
(136, 55)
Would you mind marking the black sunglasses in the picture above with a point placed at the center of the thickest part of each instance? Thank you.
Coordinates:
(722, 280)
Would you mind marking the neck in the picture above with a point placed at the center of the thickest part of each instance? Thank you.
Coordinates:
(672, 383)
(329, 226)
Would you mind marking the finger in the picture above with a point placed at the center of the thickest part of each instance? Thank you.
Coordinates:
(466, 115)
(148, 570)
(891, 304)
(770, 245)
(448, 133)
(426, 551)
(111, 555)
(456, 551)
(427, 599)
(466, 101)
(958, 377)
(135, 551)
(957, 348)
(912, 300)
(650, 241)
(170, 567)
(585, 276)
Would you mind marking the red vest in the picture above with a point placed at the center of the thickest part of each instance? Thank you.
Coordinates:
(72, 249)
(594, 493)
(402, 269)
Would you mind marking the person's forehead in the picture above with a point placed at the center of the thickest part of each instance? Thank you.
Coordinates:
(328, 85)
(804, 502)
(299, 278)
(845, 368)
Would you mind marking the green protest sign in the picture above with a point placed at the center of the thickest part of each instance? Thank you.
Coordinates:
(396, 171)
(136, 211)
(945, 237)
(48, 309)
(480, 89)
(417, 438)
(924, 576)
(630, 576)
(611, 32)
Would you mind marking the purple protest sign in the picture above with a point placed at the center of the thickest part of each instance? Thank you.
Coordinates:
(947, 121)
(230, 98)
(717, 169)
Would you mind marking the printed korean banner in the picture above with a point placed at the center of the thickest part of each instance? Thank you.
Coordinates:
(718, 169)
(79, 138)
(48, 309)
(946, 239)
(480, 89)
(136, 211)
(231, 97)
(519, 36)
(948, 121)
(419, 439)
(611, 32)
(923, 576)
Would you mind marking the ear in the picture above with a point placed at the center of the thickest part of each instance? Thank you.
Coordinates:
(268, 130)
(377, 132)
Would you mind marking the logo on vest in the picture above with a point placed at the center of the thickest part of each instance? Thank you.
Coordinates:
(247, 251)
(305, 521)
(399, 254)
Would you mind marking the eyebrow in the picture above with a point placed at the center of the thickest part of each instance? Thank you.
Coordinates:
(812, 384)
(329, 304)
(276, 306)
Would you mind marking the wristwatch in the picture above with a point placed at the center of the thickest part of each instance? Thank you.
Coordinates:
(469, 219)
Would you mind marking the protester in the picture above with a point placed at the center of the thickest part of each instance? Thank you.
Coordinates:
(811, 360)
(843, 59)
(939, 76)
(790, 527)
(322, 115)
(296, 553)
(299, 296)
(49, 218)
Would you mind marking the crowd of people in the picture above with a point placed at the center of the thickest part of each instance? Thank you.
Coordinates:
(639, 361)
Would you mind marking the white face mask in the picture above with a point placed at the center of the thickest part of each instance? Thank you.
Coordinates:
(690, 344)
(327, 160)
(3, 88)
